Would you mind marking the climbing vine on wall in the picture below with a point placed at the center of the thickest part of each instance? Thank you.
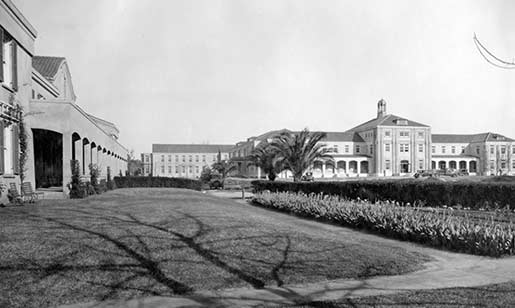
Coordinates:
(22, 135)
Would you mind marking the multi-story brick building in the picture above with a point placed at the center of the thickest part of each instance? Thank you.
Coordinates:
(185, 160)
(393, 145)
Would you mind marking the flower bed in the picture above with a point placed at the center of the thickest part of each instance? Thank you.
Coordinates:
(439, 229)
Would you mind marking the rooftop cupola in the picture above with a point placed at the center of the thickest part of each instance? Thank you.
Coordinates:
(381, 108)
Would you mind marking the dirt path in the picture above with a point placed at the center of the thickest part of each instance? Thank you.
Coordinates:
(446, 270)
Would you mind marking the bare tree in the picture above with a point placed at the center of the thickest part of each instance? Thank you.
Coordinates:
(491, 58)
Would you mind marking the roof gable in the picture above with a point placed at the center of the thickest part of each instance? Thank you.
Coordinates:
(387, 120)
(47, 66)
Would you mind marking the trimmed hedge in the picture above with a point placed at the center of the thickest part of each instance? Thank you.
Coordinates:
(426, 193)
(154, 181)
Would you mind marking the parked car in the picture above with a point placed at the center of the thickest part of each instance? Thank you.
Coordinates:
(307, 177)
(426, 173)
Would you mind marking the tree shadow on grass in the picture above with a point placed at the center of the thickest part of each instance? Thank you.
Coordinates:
(132, 254)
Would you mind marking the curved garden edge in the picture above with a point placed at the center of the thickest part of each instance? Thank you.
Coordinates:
(410, 224)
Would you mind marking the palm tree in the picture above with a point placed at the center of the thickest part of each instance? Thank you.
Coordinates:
(298, 151)
(224, 168)
(264, 156)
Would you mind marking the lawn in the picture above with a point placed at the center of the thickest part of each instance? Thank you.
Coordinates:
(139, 242)
(497, 295)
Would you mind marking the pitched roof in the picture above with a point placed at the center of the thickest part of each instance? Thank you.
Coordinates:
(47, 66)
(345, 136)
(468, 138)
(191, 148)
(387, 120)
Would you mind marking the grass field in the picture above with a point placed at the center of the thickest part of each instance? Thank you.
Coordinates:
(138, 242)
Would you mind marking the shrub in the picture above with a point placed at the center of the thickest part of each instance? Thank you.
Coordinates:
(78, 189)
(417, 224)
(94, 173)
(149, 181)
(474, 195)
(110, 185)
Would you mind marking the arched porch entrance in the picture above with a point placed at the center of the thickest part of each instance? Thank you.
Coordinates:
(48, 158)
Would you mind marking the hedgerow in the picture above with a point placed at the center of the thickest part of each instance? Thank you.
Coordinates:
(416, 224)
(153, 181)
(474, 195)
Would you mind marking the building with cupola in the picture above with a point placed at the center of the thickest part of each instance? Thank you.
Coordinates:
(392, 145)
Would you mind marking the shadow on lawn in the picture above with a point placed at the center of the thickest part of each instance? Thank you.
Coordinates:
(128, 251)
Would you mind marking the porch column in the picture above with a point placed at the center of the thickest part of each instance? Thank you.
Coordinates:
(323, 169)
(259, 172)
(78, 154)
(358, 166)
(67, 156)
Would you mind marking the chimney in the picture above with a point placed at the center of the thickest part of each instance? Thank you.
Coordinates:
(381, 108)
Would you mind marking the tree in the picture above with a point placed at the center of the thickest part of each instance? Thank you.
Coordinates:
(298, 151)
(491, 58)
(265, 156)
(224, 168)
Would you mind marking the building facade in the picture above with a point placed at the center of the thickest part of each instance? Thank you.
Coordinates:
(146, 160)
(391, 145)
(184, 160)
(58, 130)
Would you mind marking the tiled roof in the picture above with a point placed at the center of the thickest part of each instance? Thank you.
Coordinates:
(191, 148)
(345, 136)
(470, 138)
(47, 66)
(387, 120)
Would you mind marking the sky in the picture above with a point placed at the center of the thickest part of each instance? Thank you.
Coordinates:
(220, 71)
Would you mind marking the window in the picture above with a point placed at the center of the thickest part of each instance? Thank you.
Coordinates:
(443, 149)
(387, 133)
(335, 149)
(162, 159)
(203, 158)
(190, 169)
(513, 150)
(420, 148)
(176, 158)
(162, 169)
(196, 158)
(346, 149)
(477, 150)
(420, 134)
(462, 150)
(492, 165)
(387, 164)
(176, 169)
(503, 165)
(404, 134)
(191, 158)
(387, 147)
(433, 149)
(214, 157)
(169, 169)
(183, 169)
(420, 165)
(513, 164)
(492, 150)
(404, 147)
(453, 149)
(503, 150)
(371, 149)
(183, 158)
(357, 149)
(8, 60)
(196, 169)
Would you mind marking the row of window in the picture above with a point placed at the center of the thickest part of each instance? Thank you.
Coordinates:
(443, 148)
(181, 169)
(190, 158)
(503, 164)
(403, 134)
(388, 164)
